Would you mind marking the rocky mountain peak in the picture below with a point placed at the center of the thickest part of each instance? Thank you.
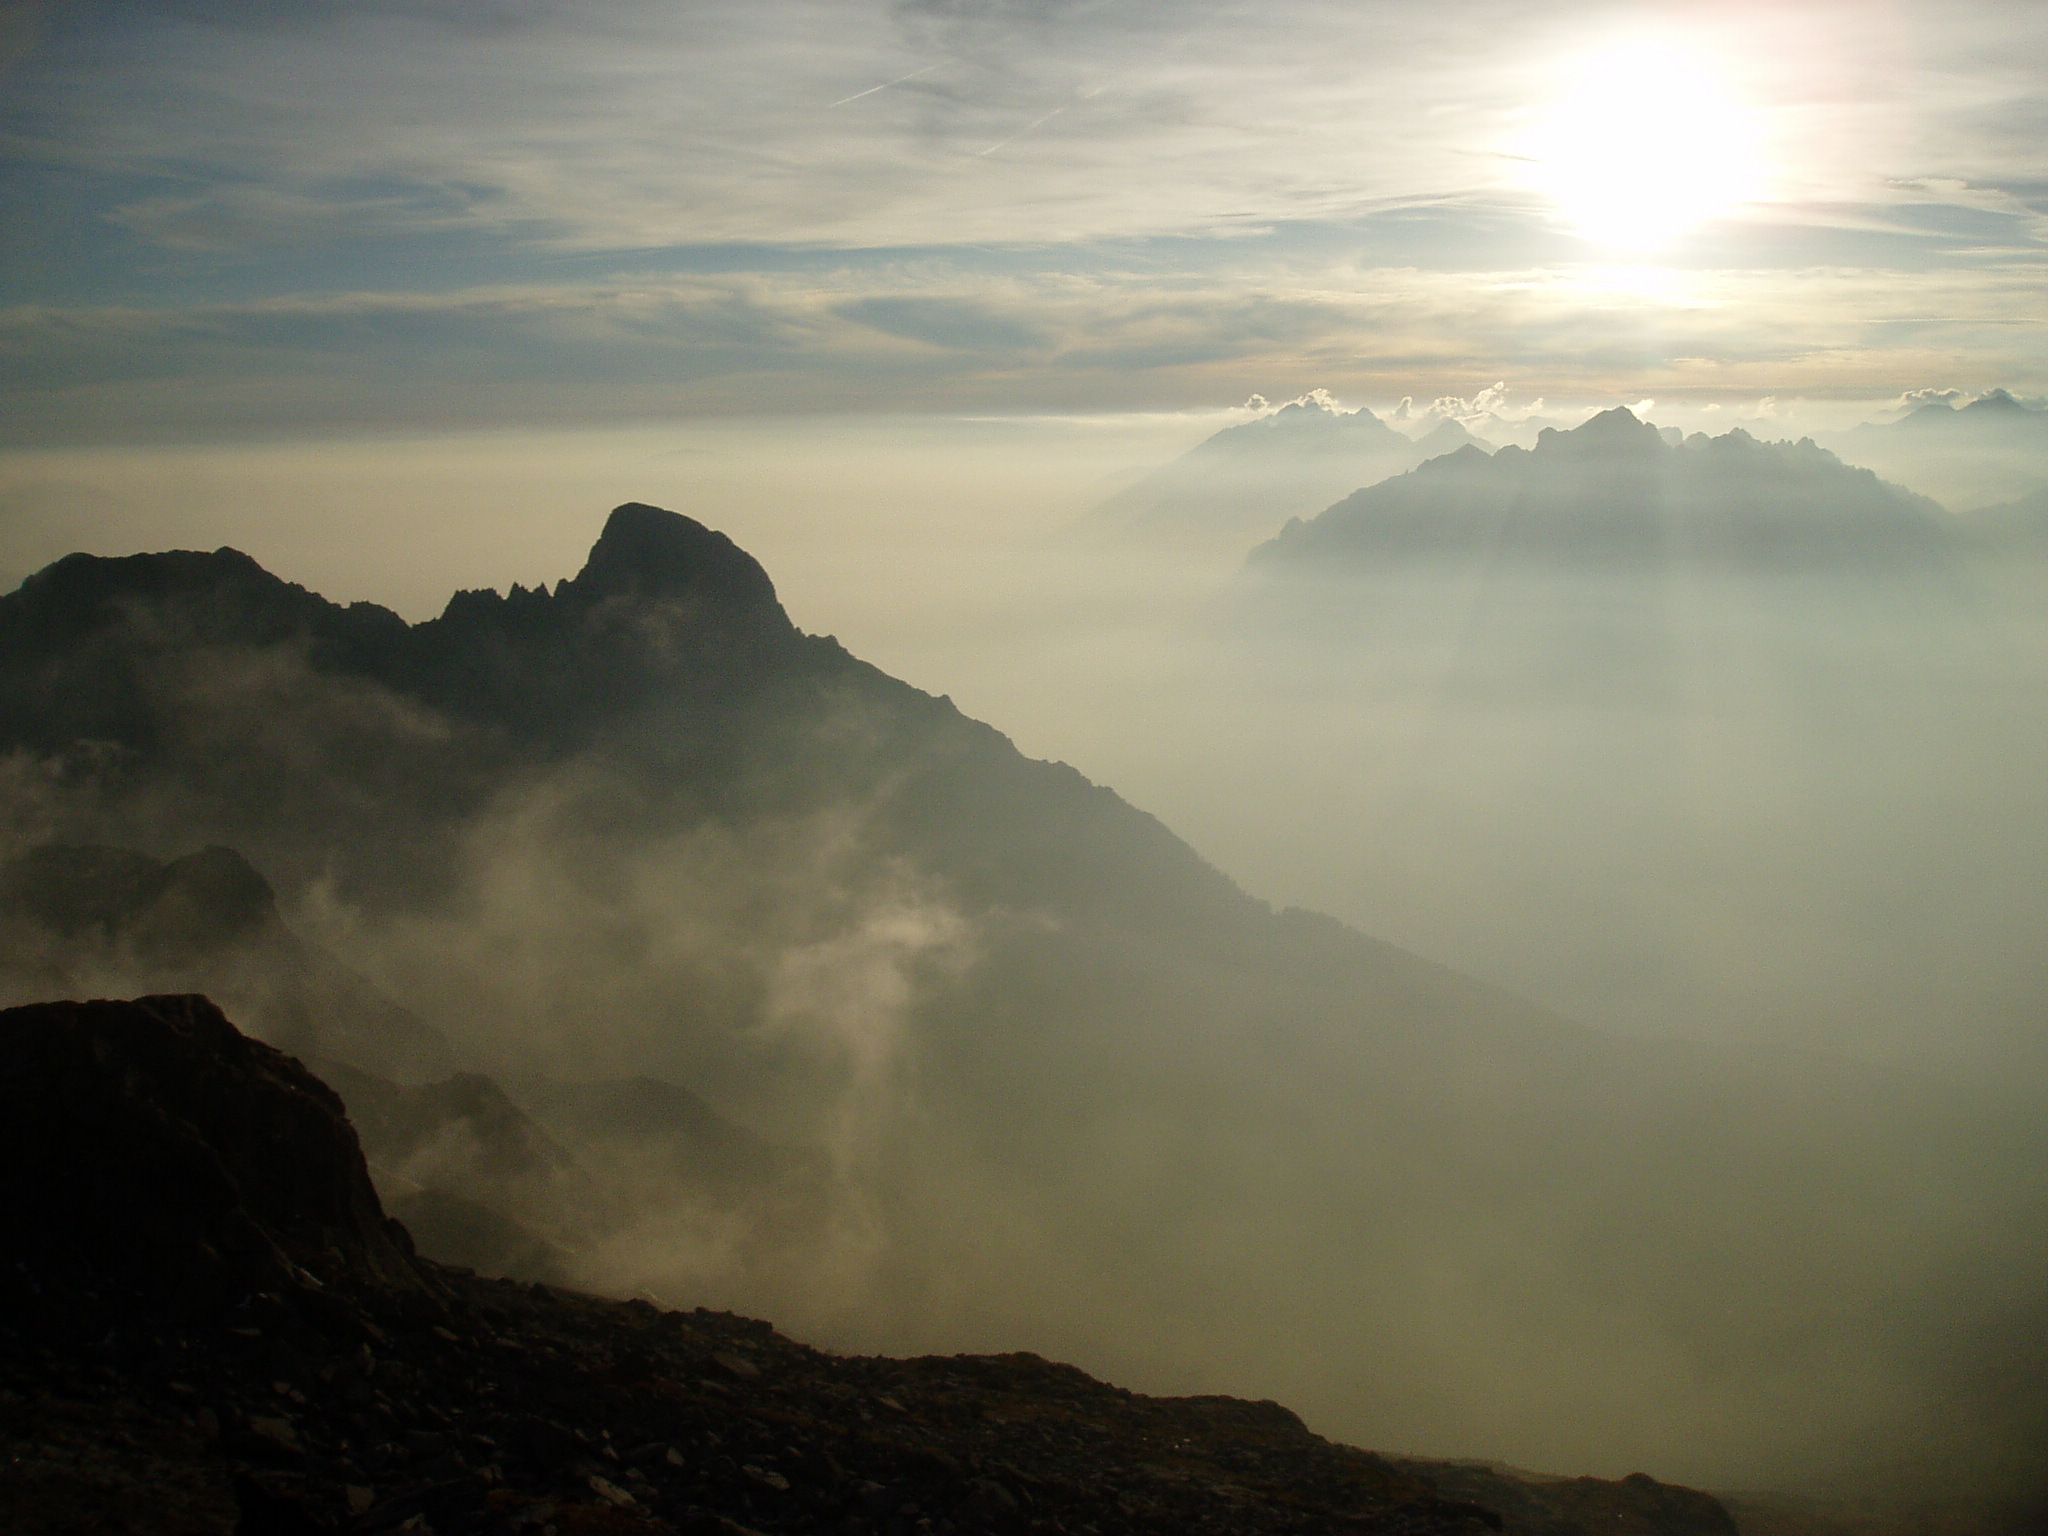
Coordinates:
(648, 552)
(1617, 430)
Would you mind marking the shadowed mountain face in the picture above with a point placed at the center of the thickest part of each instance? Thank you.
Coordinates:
(156, 1162)
(1240, 485)
(1071, 1088)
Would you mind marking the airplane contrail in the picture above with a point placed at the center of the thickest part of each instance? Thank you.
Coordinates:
(1013, 138)
(856, 96)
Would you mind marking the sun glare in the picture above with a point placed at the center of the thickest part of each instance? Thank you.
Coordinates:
(1645, 145)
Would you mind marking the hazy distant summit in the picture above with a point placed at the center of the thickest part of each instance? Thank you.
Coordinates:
(1314, 419)
(1995, 409)
(1241, 484)
(1598, 696)
(1616, 490)
(1988, 450)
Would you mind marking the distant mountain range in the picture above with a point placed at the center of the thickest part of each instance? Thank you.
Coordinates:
(1238, 486)
(1615, 516)
(1616, 493)
(1067, 1086)
(1599, 700)
(1993, 449)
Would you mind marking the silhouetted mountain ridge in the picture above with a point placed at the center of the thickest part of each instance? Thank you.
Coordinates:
(1613, 489)
(670, 640)
(1988, 450)
(1240, 484)
(662, 604)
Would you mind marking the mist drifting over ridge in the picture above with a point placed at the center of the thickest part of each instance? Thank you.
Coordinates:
(1072, 1089)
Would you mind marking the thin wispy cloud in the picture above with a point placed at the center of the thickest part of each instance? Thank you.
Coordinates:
(948, 335)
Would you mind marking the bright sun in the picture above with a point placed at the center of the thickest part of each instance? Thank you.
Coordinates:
(1644, 145)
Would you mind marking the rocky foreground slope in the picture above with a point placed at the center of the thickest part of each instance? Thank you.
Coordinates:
(207, 1324)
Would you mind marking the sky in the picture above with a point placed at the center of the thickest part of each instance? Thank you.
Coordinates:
(238, 218)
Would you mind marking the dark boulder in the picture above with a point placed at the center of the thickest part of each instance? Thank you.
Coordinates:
(152, 1157)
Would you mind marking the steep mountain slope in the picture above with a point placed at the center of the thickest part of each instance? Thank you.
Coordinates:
(1240, 485)
(1074, 1090)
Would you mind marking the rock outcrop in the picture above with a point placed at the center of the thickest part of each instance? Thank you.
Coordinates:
(154, 1161)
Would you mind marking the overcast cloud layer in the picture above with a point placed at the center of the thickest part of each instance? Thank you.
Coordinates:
(236, 215)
